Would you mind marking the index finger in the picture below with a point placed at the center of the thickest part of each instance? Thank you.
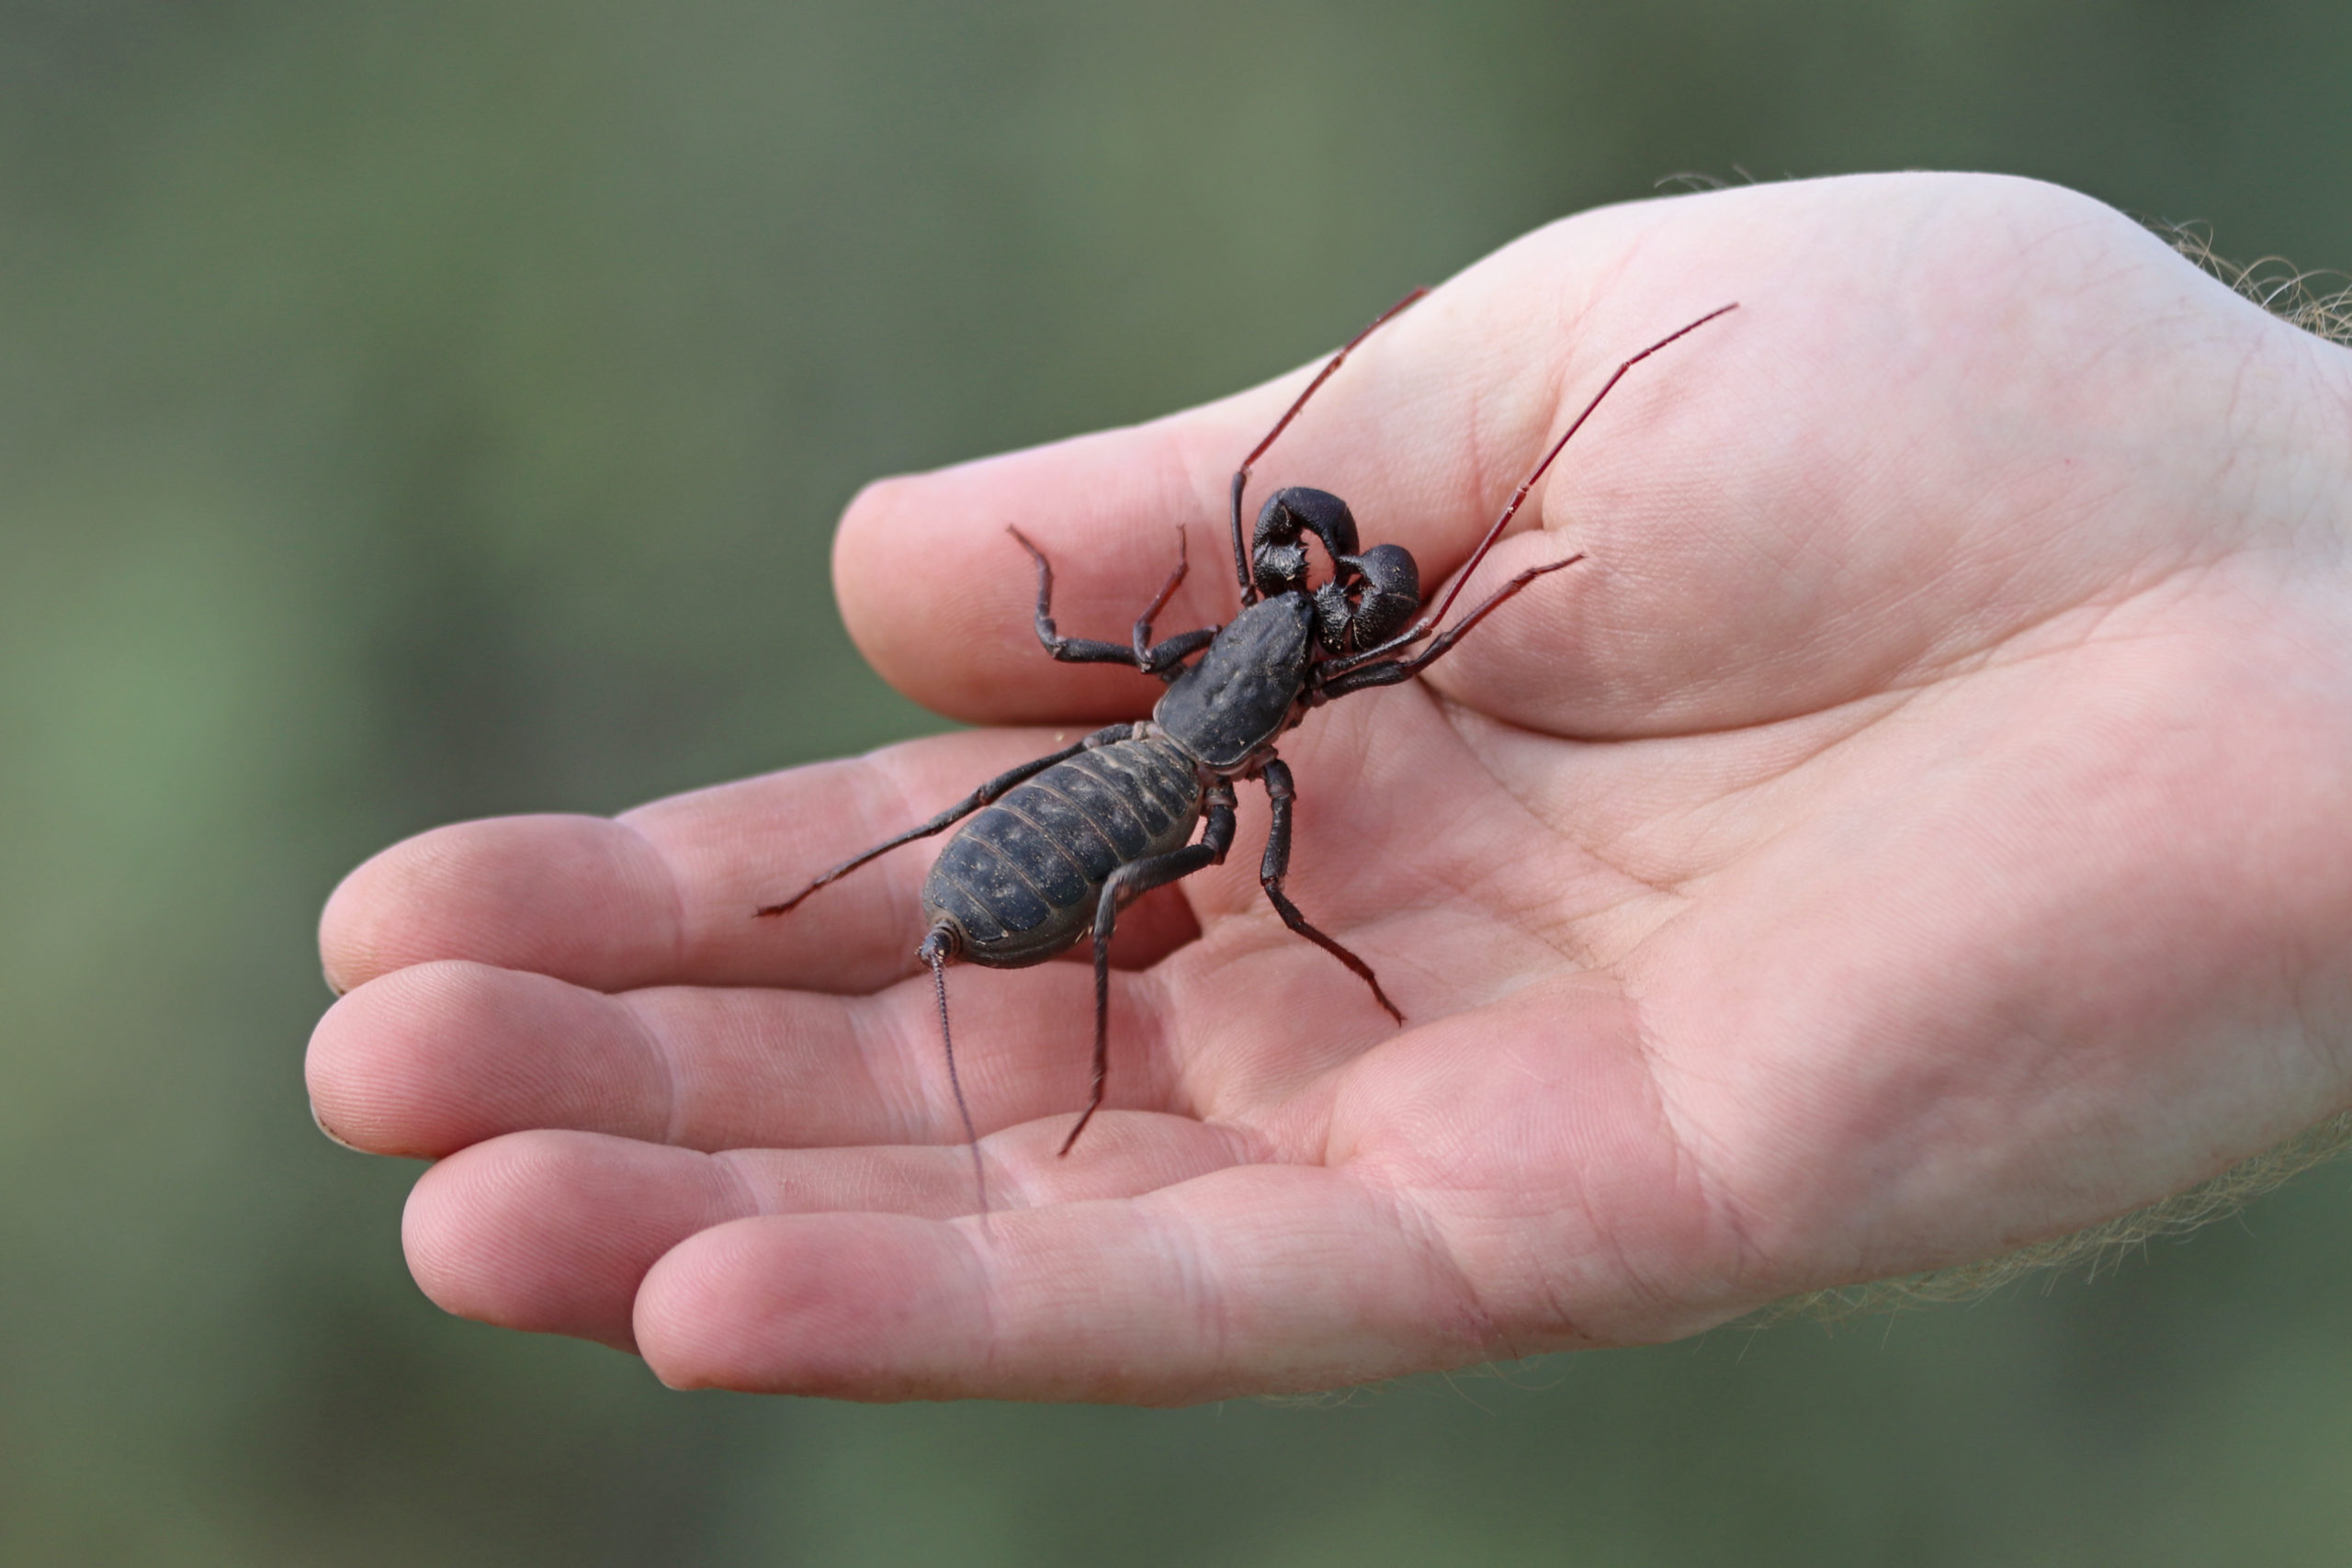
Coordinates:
(665, 893)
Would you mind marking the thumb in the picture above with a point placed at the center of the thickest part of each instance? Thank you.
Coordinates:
(1425, 430)
(939, 595)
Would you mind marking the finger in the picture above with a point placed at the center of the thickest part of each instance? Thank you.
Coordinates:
(551, 1232)
(937, 595)
(1426, 430)
(571, 895)
(1248, 1280)
(438, 1057)
(666, 894)
(1917, 437)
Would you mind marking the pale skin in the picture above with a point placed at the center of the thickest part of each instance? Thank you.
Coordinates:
(1921, 828)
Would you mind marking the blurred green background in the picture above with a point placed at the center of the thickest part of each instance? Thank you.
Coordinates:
(430, 409)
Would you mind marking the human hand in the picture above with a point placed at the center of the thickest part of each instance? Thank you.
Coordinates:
(1919, 830)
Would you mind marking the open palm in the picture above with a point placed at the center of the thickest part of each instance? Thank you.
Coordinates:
(1917, 829)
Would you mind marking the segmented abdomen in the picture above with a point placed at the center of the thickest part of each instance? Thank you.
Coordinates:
(1020, 880)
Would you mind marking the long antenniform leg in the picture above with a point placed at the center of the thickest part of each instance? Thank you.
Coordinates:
(1335, 672)
(955, 813)
(1131, 882)
(1241, 475)
(1276, 865)
(1161, 659)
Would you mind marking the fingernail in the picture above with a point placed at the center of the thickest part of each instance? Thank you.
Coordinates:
(319, 1122)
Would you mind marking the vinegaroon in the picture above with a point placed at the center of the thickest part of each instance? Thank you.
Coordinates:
(1072, 838)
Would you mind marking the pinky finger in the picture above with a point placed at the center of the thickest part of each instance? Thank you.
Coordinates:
(1252, 1279)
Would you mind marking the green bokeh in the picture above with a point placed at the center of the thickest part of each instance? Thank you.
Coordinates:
(415, 411)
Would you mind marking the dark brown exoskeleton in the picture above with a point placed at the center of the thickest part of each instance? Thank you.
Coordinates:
(1064, 842)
